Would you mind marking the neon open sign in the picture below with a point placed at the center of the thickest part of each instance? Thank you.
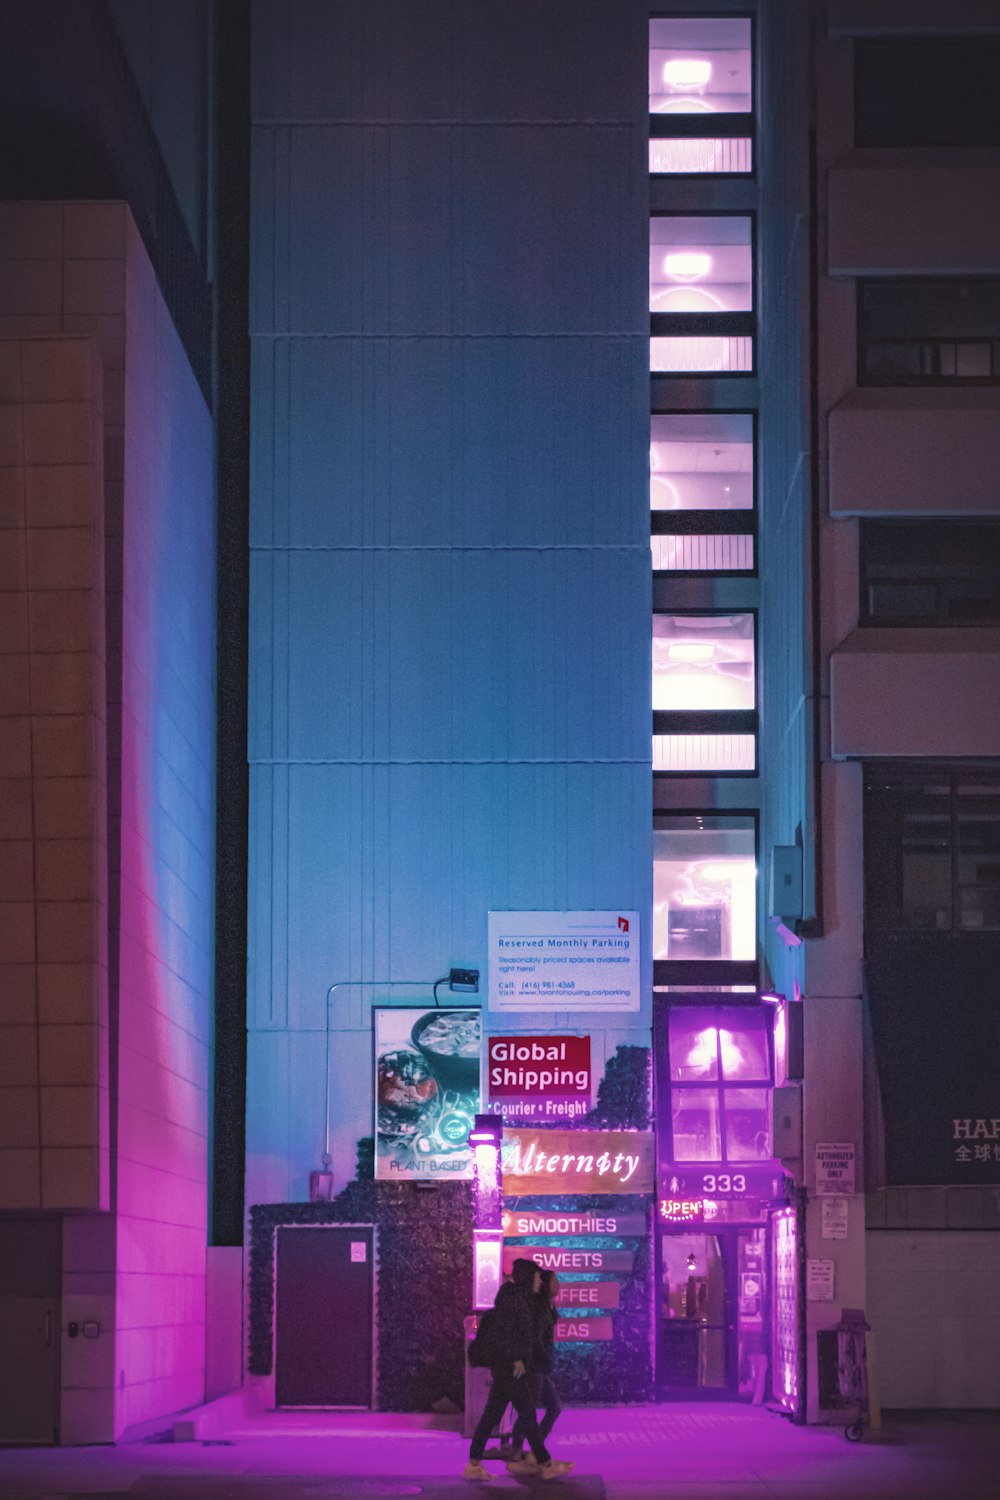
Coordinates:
(681, 1210)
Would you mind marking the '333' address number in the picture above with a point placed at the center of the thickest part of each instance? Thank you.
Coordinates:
(723, 1182)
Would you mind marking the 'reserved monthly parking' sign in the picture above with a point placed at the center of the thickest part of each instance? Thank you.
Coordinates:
(564, 960)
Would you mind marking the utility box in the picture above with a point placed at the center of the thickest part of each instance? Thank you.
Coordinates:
(786, 1105)
(785, 892)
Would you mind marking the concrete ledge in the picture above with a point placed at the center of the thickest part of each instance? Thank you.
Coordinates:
(915, 693)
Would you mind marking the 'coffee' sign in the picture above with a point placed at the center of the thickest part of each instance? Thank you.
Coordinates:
(555, 1258)
(606, 1294)
(525, 1221)
(551, 1162)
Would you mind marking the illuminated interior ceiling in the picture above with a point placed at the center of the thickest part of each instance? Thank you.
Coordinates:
(700, 66)
(705, 892)
(700, 264)
(701, 462)
(703, 662)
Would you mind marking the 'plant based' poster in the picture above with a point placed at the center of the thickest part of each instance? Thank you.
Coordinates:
(427, 1091)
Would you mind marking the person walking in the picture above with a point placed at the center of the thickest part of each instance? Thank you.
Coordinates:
(512, 1358)
(544, 1393)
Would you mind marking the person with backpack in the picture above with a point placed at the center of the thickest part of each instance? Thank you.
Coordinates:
(544, 1393)
(510, 1356)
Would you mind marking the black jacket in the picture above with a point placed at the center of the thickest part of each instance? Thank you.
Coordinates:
(513, 1337)
(545, 1317)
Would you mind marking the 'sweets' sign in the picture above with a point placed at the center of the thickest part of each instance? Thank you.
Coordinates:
(555, 1258)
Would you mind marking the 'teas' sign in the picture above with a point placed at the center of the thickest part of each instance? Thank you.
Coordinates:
(555, 1258)
(584, 1330)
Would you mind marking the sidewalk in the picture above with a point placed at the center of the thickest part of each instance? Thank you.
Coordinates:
(679, 1452)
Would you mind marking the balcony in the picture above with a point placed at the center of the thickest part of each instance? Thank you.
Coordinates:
(913, 212)
(916, 452)
(913, 692)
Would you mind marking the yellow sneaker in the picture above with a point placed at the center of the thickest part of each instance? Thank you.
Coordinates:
(556, 1468)
(475, 1471)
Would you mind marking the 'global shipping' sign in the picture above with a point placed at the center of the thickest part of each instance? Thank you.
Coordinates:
(535, 1078)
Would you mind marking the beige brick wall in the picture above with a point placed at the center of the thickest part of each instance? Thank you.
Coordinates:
(53, 857)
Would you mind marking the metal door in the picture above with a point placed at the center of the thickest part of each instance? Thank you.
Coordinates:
(30, 1275)
(323, 1317)
(29, 1370)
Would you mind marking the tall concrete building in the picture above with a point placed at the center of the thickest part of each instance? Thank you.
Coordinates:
(605, 542)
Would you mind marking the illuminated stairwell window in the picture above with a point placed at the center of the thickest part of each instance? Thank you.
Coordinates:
(700, 95)
(701, 294)
(704, 693)
(701, 492)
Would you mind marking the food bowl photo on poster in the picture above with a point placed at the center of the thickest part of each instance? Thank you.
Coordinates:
(406, 1089)
(449, 1042)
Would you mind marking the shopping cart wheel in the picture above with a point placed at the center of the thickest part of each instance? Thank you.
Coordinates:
(854, 1431)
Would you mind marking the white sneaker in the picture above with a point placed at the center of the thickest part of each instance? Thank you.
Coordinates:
(525, 1463)
(475, 1471)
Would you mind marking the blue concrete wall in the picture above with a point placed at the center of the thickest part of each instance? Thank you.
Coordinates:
(450, 576)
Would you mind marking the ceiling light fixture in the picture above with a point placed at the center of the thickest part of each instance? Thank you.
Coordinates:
(683, 73)
(687, 265)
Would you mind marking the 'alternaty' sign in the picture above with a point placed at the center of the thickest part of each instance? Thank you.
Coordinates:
(550, 1162)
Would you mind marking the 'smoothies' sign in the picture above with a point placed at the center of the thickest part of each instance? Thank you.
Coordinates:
(550, 1162)
(529, 1221)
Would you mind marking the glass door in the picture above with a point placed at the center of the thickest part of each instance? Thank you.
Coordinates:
(751, 1307)
(697, 1346)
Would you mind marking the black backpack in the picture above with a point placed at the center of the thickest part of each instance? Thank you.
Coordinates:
(483, 1349)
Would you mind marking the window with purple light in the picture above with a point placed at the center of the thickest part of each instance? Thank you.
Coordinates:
(700, 265)
(701, 294)
(719, 1079)
(748, 1125)
(704, 887)
(703, 662)
(700, 74)
(695, 1122)
(703, 692)
(701, 492)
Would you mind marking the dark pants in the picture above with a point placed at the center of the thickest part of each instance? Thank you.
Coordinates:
(544, 1394)
(518, 1392)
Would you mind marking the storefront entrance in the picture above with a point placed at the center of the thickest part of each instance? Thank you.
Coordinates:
(711, 1310)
